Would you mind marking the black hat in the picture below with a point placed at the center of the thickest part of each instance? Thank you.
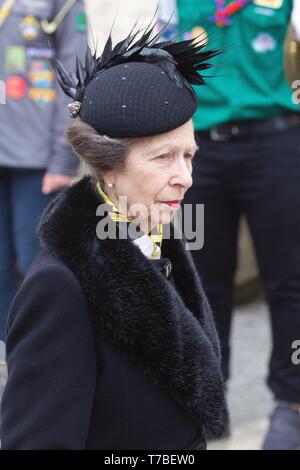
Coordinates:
(139, 88)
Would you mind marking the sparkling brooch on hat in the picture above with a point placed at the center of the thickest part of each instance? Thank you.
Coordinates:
(74, 109)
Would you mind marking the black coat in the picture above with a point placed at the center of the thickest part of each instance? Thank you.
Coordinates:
(102, 351)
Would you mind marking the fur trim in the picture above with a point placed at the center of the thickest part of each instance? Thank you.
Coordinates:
(168, 334)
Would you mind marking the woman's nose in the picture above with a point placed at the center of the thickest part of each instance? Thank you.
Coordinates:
(183, 174)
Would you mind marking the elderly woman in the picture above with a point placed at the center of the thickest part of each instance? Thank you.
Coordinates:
(110, 339)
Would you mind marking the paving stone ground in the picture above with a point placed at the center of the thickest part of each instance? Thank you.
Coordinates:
(250, 401)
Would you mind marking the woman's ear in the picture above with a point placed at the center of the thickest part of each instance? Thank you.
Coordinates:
(108, 179)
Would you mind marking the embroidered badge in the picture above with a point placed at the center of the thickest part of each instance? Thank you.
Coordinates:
(40, 8)
(81, 22)
(198, 33)
(264, 11)
(225, 11)
(40, 74)
(30, 28)
(15, 59)
(40, 53)
(263, 43)
(42, 96)
(269, 3)
(16, 87)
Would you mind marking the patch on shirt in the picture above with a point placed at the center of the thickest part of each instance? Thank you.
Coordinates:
(81, 22)
(263, 43)
(41, 8)
(30, 28)
(40, 74)
(16, 87)
(42, 96)
(15, 59)
(40, 53)
(264, 11)
(275, 4)
(197, 33)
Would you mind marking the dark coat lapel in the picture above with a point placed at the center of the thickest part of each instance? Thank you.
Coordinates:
(168, 334)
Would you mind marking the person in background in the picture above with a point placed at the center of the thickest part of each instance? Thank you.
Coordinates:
(248, 128)
(35, 160)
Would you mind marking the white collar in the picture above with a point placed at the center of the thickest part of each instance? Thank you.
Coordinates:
(145, 244)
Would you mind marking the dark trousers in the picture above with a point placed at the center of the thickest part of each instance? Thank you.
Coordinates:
(260, 178)
(21, 205)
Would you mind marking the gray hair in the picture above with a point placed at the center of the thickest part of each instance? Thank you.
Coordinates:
(99, 152)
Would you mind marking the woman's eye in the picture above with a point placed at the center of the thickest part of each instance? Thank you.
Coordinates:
(164, 156)
(189, 156)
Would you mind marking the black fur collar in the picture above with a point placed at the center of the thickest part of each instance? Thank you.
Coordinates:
(168, 334)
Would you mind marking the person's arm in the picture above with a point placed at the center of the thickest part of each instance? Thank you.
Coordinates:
(69, 39)
(47, 403)
(296, 18)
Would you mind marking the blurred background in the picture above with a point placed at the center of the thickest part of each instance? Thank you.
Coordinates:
(102, 14)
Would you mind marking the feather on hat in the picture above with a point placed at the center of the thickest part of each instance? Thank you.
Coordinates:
(179, 61)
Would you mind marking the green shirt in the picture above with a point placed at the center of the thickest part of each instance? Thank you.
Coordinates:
(249, 81)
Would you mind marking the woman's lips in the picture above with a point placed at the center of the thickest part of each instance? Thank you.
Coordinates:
(173, 204)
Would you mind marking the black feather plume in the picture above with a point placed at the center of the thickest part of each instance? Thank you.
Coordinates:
(181, 60)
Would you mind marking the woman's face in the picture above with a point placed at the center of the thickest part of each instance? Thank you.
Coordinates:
(157, 173)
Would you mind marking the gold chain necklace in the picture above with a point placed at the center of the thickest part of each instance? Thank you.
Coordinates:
(116, 216)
